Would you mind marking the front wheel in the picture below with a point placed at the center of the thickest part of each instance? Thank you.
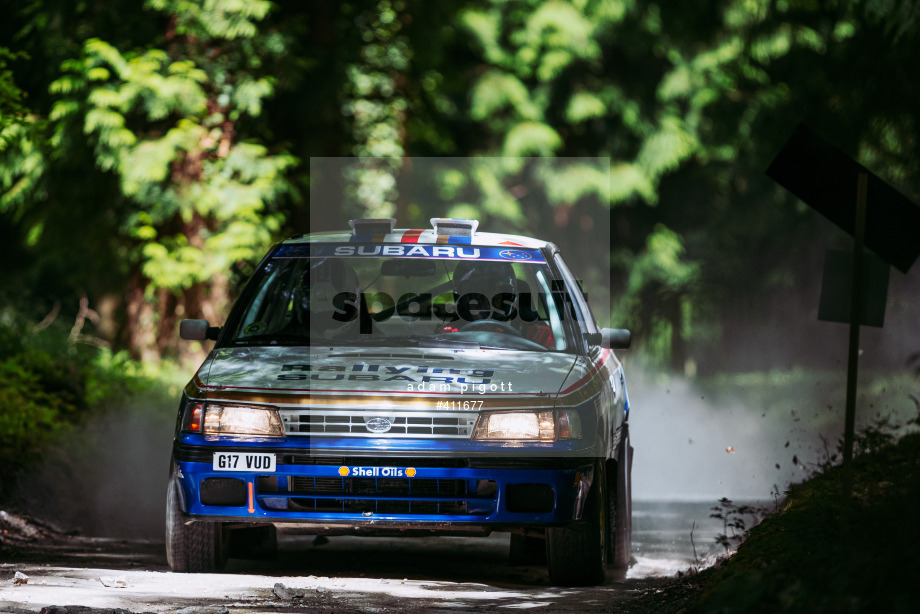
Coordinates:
(577, 556)
(192, 547)
(619, 508)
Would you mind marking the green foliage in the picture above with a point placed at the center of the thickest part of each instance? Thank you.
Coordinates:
(150, 158)
(663, 264)
(531, 139)
(43, 390)
(167, 127)
(228, 19)
(662, 289)
(689, 102)
(734, 525)
(603, 79)
(376, 107)
(21, 158)
(584, 106)
(10, 95)
(546, 69)
(53, 383)
(165, 130)
(498, 94)
(23, 163)
(115, 376)
(30, 416)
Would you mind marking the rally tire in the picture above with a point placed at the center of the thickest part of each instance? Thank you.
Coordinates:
(577, 555)
(619, 483)
(192, 547)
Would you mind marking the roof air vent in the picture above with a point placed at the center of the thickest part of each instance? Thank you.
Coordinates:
(454, 227)
(373, 226)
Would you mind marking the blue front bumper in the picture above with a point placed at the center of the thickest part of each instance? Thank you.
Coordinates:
(409, 486)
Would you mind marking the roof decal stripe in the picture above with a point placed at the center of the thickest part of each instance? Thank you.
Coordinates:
(411, 236)
(427, 236)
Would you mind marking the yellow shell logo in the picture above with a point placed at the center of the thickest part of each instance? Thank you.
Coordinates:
(410, 472)
(343, 471)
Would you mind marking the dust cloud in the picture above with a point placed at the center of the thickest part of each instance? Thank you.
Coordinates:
(694, 442)
(108, 477)
(769, 391)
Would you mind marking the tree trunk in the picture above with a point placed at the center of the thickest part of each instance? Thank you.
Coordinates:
(140, 321)
(168, 322)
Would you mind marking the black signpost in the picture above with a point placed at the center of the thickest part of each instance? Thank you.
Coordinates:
(862, 204)
(826, 179)
(837, 288)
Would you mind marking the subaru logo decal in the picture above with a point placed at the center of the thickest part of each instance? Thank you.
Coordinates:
(378, 425)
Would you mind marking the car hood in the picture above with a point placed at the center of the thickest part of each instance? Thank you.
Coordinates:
(312, 372)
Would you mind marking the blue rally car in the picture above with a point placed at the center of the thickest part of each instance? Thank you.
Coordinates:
(383, 381)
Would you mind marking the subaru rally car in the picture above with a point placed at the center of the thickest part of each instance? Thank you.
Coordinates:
(381, 381)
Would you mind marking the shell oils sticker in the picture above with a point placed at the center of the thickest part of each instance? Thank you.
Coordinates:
(377, 472)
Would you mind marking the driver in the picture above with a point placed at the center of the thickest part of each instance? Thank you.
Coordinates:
(494, 279)
(319, 284)
(489, 279)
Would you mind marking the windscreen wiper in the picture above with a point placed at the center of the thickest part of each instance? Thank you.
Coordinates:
(394, 341)
(447, 341)
(274, 339)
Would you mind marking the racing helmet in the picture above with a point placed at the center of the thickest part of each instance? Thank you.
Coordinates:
(486, 278)
(320, 282)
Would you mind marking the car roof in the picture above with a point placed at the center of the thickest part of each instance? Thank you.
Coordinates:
(419, 235)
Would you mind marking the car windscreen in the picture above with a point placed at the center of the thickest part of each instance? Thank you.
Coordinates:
(362, 296)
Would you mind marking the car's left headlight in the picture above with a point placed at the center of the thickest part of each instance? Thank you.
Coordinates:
(528, 425)
(233, 419)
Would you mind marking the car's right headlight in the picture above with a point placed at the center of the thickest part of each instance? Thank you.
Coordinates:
(528, 425)
(232, 419)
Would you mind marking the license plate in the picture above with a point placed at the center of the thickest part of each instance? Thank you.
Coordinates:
(244, 461)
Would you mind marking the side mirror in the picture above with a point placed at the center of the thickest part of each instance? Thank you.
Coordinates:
(197, 330)
(615, 338)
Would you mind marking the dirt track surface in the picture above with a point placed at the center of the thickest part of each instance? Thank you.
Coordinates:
(345, 574)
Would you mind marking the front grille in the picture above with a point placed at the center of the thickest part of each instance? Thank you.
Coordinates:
(370, 496)
(410, 507)
(441, 425)
(383, 487)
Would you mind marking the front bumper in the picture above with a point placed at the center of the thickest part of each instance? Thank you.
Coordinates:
(348, 490)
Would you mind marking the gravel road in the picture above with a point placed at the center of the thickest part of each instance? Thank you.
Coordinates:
(73, 575)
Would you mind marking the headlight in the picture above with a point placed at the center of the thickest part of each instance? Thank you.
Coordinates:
(220, 419)
(528, 425)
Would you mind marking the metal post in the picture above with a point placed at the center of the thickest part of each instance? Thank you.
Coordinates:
(856, 317)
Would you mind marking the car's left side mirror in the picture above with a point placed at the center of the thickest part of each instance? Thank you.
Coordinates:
(614, 338)
(197, 330)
